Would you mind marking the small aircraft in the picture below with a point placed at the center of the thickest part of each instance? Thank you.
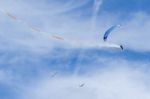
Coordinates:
(82, 85)
(54, 74)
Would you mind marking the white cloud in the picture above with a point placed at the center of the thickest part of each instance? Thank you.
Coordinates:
(133, 34)
(113, 83)
(120, 79)
(109, 84)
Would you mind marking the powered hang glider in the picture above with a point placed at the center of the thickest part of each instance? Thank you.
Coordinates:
(107, 33)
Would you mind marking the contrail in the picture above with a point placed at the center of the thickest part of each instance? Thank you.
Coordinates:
(96, 8)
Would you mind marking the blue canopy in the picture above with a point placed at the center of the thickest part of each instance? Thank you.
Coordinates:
(108, 32)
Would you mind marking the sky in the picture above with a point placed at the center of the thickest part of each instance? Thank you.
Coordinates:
(49, 48)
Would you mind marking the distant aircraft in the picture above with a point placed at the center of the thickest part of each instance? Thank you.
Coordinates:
(106, 34)
(54, 74)
(82, 85)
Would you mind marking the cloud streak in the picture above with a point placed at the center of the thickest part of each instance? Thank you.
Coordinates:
(28, 56)
(74, 30)
(112, 83)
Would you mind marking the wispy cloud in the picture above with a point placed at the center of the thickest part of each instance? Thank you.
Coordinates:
(72, 29)
(30, 56)
(113, 83)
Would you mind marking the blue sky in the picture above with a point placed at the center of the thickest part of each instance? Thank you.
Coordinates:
(29, 58)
